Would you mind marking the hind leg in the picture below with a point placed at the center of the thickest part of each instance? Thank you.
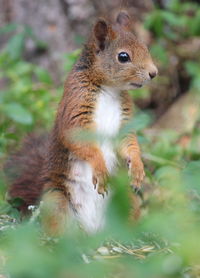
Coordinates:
(54, 212)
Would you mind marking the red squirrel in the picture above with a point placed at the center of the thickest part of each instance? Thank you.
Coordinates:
(70, 174)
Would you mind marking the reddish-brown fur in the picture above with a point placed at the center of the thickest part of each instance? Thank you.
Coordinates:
(24, 169)
(45, 164)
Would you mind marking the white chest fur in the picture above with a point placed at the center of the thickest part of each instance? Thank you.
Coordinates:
(108, 119)
(88, 206)
(108, 112)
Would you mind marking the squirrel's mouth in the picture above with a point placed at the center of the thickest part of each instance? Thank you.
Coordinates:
(136, 85)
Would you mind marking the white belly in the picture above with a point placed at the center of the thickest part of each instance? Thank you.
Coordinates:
(88, 206)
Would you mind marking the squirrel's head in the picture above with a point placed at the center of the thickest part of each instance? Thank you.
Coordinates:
(123, 60)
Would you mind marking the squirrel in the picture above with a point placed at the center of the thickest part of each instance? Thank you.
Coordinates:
(68, 175)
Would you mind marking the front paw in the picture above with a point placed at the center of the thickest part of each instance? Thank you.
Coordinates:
(136, 172)
(99, 182)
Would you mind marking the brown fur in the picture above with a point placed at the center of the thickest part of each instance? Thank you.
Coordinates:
(24, 169)
(46, 164)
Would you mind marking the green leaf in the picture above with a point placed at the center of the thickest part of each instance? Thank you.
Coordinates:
(160, 53)
(18, 113)
(15, 46)
(192, 68)
(195, 25)
(141, 120)
(43, 75)
(142, 93)
(71, 59)
(167, 175)
(171, 18)
(191, 176)
(8, 28)
(155, 23)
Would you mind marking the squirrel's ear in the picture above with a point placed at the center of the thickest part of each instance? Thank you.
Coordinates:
(101, 30)
(123, 19)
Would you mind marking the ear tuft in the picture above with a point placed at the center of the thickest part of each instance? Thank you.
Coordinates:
(123, 19)
(101, 32)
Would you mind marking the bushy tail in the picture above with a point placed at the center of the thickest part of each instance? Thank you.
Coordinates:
(23, 170)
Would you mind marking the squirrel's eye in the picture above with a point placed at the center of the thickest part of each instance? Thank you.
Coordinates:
(123, 57)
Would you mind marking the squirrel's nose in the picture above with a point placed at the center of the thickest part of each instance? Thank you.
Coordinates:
(152, 74)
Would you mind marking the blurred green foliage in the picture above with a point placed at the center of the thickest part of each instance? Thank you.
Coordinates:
(164, 243)
(28, 97)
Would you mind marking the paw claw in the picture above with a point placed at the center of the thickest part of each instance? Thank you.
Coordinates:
(94, 180)
(100, 185)
(137, 172)
(102, 190)
(138, 191)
